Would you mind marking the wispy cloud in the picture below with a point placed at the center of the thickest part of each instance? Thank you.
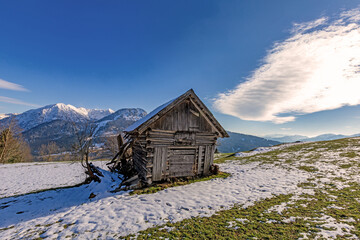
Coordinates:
(317, 68)
(11, 86)
(16, 101)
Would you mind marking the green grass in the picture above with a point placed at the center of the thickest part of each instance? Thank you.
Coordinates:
(349, 154)
(308, 168)
(162, 186)
(227, 224)
(263, 223)
(345, 165)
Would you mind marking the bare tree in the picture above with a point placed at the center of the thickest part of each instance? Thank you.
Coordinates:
(13, 148)
(122, 161)
(84, 133)
(111, 145)
(47, 151)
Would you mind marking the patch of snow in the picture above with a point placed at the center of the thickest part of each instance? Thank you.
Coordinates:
(340, 229)
(335, 207)
(232, 224)
(271, 221)
(242, 220)
(21, 178)
(290, 219)
(121, 214)
(100, 125)
(278, 208)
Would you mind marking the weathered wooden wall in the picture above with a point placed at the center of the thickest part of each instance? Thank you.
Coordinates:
(180, 143)
(183, 117)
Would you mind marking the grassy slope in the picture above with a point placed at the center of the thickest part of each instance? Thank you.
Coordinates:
(328, 207)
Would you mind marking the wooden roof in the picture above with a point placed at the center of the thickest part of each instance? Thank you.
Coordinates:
(141, 125)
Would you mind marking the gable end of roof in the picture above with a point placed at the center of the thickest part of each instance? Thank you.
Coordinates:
(142, 124)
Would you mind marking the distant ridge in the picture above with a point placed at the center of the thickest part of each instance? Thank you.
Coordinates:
(294, 138)
(238, 142)
(53, 123)
(58, 111)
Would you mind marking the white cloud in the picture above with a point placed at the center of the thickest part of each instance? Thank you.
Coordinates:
(317, 68)
(11, 86)
(16, 101)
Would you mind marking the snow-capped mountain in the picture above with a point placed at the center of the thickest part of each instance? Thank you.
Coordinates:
(59, 111)
(118, 121)
(54, 123)
(96, 114)
(6, 115)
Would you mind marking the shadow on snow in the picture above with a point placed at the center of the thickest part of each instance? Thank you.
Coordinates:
(14, 210)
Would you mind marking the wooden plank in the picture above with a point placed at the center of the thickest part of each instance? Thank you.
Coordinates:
(200, 156)
(184, 165)
(183, 147)
(162, 142)
(205, 137)
(163, 161)
(204, 115)
(181, 174)
(212, 155)
(211, 141)
(207, 159)
(194, 119)
(188, 170)
(182, 151)
(183, 120)
(174, 164)
(162, 131)
(169, 140)
(156, 176)
(182, 159)
(161, 135)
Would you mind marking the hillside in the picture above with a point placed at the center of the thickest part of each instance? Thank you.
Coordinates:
(294, 138)
(241, 142)
(285, 138)
(303, 190)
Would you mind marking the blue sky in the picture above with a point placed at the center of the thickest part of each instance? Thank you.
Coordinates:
(116, 54)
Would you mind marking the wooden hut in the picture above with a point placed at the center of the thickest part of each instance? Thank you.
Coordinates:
(177, 139)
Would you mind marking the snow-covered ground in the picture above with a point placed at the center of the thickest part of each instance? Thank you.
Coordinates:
(21, 178)
(65, 212)
(69, 212)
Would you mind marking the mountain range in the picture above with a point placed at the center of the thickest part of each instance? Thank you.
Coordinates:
(55, 123)
(238, 142)
(294, 138)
